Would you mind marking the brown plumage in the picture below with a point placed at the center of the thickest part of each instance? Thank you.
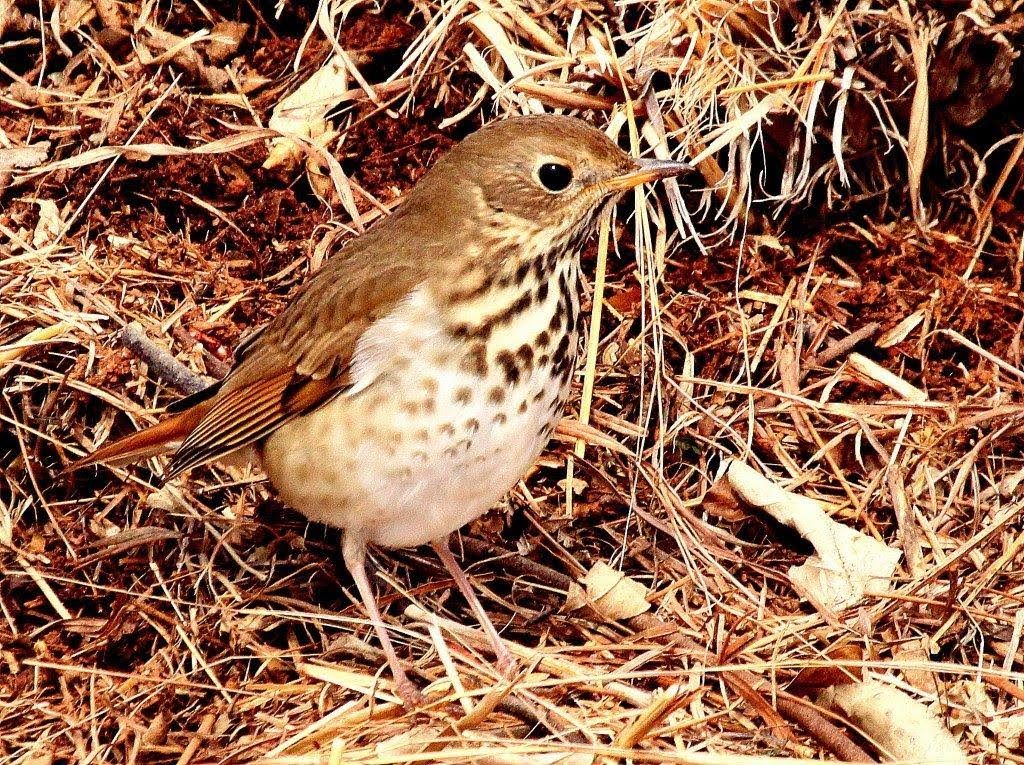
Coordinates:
(416, 377)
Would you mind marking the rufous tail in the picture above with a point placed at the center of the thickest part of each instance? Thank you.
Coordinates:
(163, 437)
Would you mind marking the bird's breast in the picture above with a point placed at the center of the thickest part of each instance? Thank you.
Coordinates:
(451, 405)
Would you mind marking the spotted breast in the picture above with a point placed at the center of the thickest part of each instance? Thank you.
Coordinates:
(448, 409)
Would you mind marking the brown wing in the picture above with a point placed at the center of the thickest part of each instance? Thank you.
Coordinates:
(301, 359)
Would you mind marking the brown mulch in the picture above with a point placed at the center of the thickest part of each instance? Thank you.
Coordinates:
(205, 622)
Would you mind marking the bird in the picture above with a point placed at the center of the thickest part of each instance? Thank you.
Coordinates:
(415, 378)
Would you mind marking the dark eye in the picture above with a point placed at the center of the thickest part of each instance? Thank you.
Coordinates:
(554, 177)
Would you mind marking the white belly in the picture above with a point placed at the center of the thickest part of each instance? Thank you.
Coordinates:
(420, 450)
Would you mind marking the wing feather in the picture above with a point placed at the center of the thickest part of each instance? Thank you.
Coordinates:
(299, 361)
(238, 418)
(302, 358)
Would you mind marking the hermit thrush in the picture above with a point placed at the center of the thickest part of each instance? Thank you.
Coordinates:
(418, 375)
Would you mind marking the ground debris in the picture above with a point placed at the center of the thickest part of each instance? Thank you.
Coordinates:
(833, 300)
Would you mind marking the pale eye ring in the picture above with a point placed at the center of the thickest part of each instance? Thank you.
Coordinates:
(554, 176)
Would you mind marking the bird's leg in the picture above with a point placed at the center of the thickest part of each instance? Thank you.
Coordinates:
(504, 659)
(353, 550)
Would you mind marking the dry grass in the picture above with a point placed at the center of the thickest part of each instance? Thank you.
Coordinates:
(843, 313)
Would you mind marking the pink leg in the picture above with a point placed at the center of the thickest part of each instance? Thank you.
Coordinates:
(353, 550)
(505, 662)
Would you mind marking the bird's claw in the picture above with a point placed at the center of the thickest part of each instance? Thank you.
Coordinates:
(410, 695)
(506, 664)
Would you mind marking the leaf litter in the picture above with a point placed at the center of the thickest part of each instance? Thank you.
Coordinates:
(832, 304)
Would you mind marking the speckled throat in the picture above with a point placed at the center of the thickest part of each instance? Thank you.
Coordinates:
(517, 304)
(470, 376)
(526, 319)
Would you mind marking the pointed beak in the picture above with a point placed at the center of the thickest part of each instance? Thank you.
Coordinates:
(645, 171)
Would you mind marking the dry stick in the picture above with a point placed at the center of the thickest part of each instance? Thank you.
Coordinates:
(986, 210)
(843, 346)
(517, 564)
(561, 97)
(829, 735)
(782, 82)
(917, 130)
(910, 538)
(590, 367)
(33, 573)
(534, 716)
(205, 729)
(1004, 685)
(161, 362)
(124, 541)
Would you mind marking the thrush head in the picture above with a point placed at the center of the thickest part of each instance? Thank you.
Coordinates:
(544, 176)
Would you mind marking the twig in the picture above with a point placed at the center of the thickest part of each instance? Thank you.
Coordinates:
(514, 563)
(986, 210)
(845, 345)
(830, 736)
(160, 361)
(536, 718)
(44, 587)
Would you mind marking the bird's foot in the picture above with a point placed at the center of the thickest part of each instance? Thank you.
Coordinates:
(410, 695)
(505, 662)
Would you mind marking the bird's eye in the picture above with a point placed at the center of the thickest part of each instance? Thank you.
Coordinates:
(554, 177)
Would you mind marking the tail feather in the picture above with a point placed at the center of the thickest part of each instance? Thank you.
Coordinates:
(161, 438)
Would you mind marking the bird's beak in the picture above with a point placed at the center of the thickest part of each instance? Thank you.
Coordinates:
(645, 171)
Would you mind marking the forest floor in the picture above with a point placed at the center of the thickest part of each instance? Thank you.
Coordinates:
(857, 342)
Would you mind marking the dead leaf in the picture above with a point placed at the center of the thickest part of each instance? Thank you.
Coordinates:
(224, 40)
(971, 712)
(578, 485)
(868, 368)
(625, 301)
(901, 331)
(900, 724)
(609, 593)
(816, 678)
(49, 225)
(23, 156)
(303, 112)
(721, 501)
(847, 562)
